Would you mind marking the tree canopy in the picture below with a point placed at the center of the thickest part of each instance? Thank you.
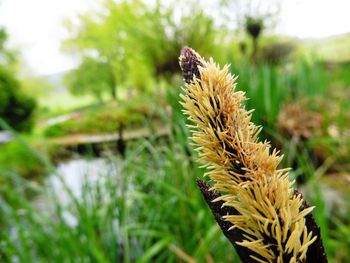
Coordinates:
(132, 44)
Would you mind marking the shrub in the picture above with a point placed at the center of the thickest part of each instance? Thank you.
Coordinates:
(19, 160)
(16, 108)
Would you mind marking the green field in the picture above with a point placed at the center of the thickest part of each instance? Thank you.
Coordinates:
(331, 49)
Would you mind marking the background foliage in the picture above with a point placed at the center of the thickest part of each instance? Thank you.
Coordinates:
(145, 205)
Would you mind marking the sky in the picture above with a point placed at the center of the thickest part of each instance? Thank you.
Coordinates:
(36, 27)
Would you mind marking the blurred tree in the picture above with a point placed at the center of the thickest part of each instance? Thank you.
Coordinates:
(16, 108)
(8, 57)
(103, 38)
(138, 42)
(194, 29)
(253, 27)
(252, 16)
(91, 77)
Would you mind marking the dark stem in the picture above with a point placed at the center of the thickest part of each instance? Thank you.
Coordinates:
(218, 210)
(315, 254)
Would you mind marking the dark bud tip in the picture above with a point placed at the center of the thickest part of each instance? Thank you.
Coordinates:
(189, 63)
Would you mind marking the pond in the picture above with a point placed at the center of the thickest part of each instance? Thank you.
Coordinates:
(70, 180)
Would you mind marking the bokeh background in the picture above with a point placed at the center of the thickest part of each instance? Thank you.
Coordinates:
(95, 159)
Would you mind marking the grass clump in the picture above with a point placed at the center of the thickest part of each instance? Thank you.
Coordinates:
(147, 211)
(19, 160)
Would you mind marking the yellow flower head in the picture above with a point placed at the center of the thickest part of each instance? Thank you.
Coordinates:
(244, 170)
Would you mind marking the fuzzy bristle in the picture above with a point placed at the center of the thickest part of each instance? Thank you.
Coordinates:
(244, 170)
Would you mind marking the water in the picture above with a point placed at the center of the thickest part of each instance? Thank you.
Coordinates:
(5, 137)
(77, 173)
(70, 180)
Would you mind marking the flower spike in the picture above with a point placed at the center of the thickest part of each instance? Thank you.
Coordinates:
(251, 198)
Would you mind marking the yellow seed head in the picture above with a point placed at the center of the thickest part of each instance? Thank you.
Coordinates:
(244, 170)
